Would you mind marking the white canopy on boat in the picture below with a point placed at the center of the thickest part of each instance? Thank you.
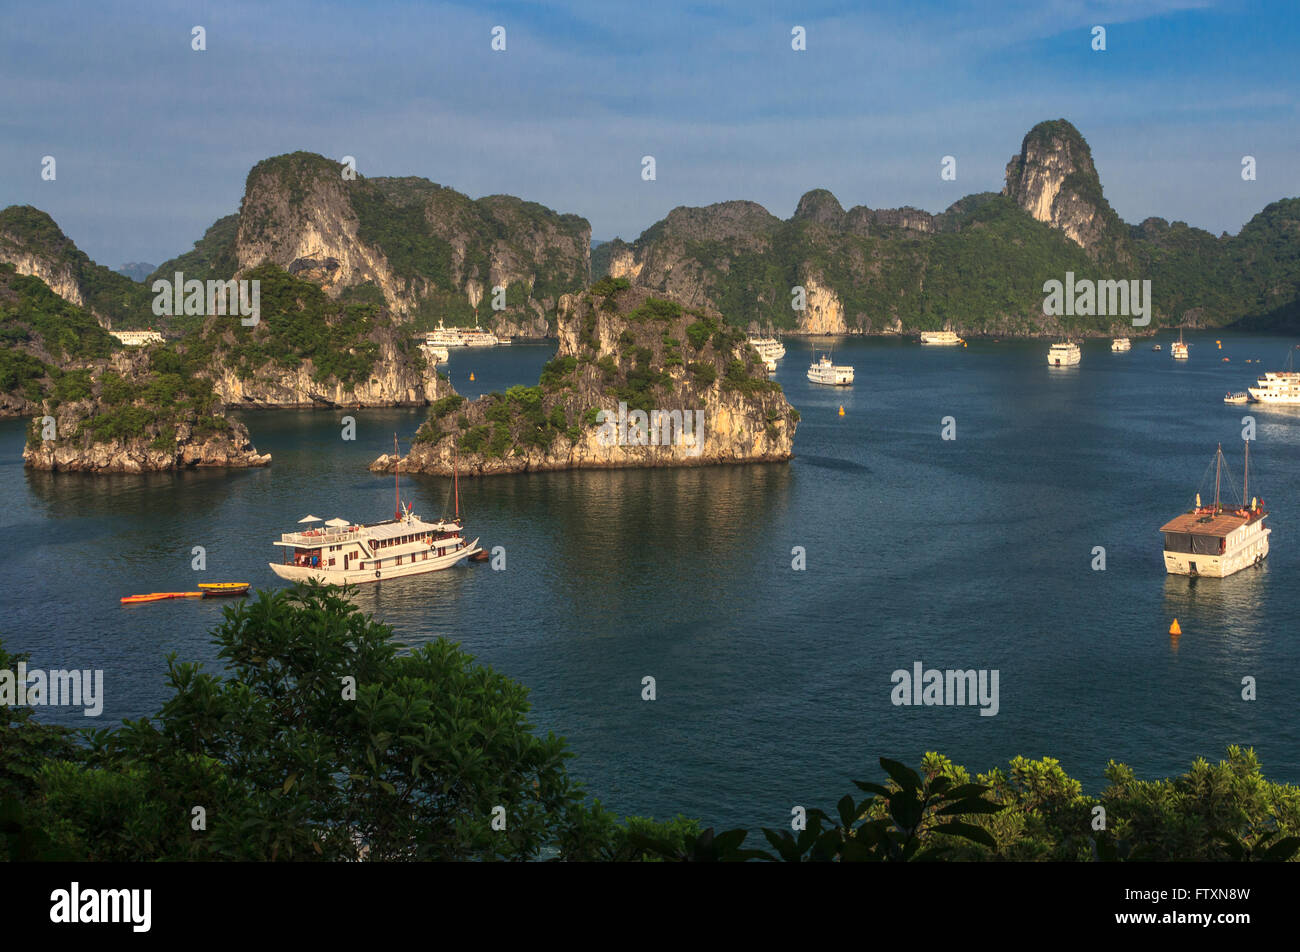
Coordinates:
(337, 523)
(310, 519)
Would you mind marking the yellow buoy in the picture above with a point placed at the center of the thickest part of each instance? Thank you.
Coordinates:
(1174, 629)
(1220, 343)
(471, 375)
(841, 411)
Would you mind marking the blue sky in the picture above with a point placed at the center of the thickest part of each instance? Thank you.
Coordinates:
(153, 140)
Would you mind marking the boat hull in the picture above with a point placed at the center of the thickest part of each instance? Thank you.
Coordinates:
(1271, 396)
(1218, 566)
(296, 573)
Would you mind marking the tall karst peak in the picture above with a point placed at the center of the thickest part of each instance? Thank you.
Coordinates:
(432, 251)
(1054, 179)
(820, 206)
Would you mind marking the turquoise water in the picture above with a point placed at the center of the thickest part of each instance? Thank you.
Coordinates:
(773, 685)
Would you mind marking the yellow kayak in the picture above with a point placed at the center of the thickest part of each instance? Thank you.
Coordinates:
(213, 589)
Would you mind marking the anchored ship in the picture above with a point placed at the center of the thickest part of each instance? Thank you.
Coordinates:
(462, 337)
(341, 553)
(948, 338)
(1121, 343)
(825, 371)
(769, 348)
(1282, 387)
(1217, 540)
(1065, 354)
(1178, 349)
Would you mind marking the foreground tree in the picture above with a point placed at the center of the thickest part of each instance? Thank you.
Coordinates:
(322, 740)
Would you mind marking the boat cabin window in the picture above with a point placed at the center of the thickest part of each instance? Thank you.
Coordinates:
(1194, 544)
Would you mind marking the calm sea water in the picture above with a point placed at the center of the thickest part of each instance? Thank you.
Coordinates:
(773, 685)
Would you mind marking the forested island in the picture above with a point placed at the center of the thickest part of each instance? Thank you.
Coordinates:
(638, 380)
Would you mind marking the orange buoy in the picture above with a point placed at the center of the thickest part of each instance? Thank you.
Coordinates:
(471, 375)
(841, 410)
(1220, 343)
(1174, 629)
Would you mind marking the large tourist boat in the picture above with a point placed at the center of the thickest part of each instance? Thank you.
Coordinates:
(1178, 349)
(1282, 387)
(462, 337)
(943, 338)
(1065, 354)
(769, 348)
(1121, 343)
(1218, 540)
(825, 371)
(340, 553)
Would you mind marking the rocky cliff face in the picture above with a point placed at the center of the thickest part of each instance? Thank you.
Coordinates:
(433, 252)
(32, 242)
(978, 267)
(1054, 179)
(692, 393)
(395, 381)
(231, 449)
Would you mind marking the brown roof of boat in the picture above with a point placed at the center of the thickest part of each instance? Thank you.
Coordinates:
(1209, 524)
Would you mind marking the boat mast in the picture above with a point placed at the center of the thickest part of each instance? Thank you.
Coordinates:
(1218, 462)
(1245, 477)
(397, 481)
(455, 477)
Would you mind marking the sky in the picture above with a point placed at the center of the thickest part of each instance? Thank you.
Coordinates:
(153, 140)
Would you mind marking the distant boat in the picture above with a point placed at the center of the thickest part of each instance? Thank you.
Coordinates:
(1217, 540)
(826, 372)
(1155, 346)
(945, 338)
(436, 353)
(1178, 349)
(1121, 343)
(461, 336)
(1240, 396)
(1065, 354)
(768, 347)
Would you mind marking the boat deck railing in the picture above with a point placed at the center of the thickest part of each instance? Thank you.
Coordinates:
(314, 537)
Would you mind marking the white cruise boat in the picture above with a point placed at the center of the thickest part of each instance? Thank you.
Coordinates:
(1217, 540)
(824, 371)
(1065, 354)
(1282, 387)
(770, 364)
(461, 337)
(1121, 343)
(945, 338)
(340, 553)
(1178, 349)
(768, 347)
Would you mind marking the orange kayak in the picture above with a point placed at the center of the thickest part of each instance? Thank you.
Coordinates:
(158, 596)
